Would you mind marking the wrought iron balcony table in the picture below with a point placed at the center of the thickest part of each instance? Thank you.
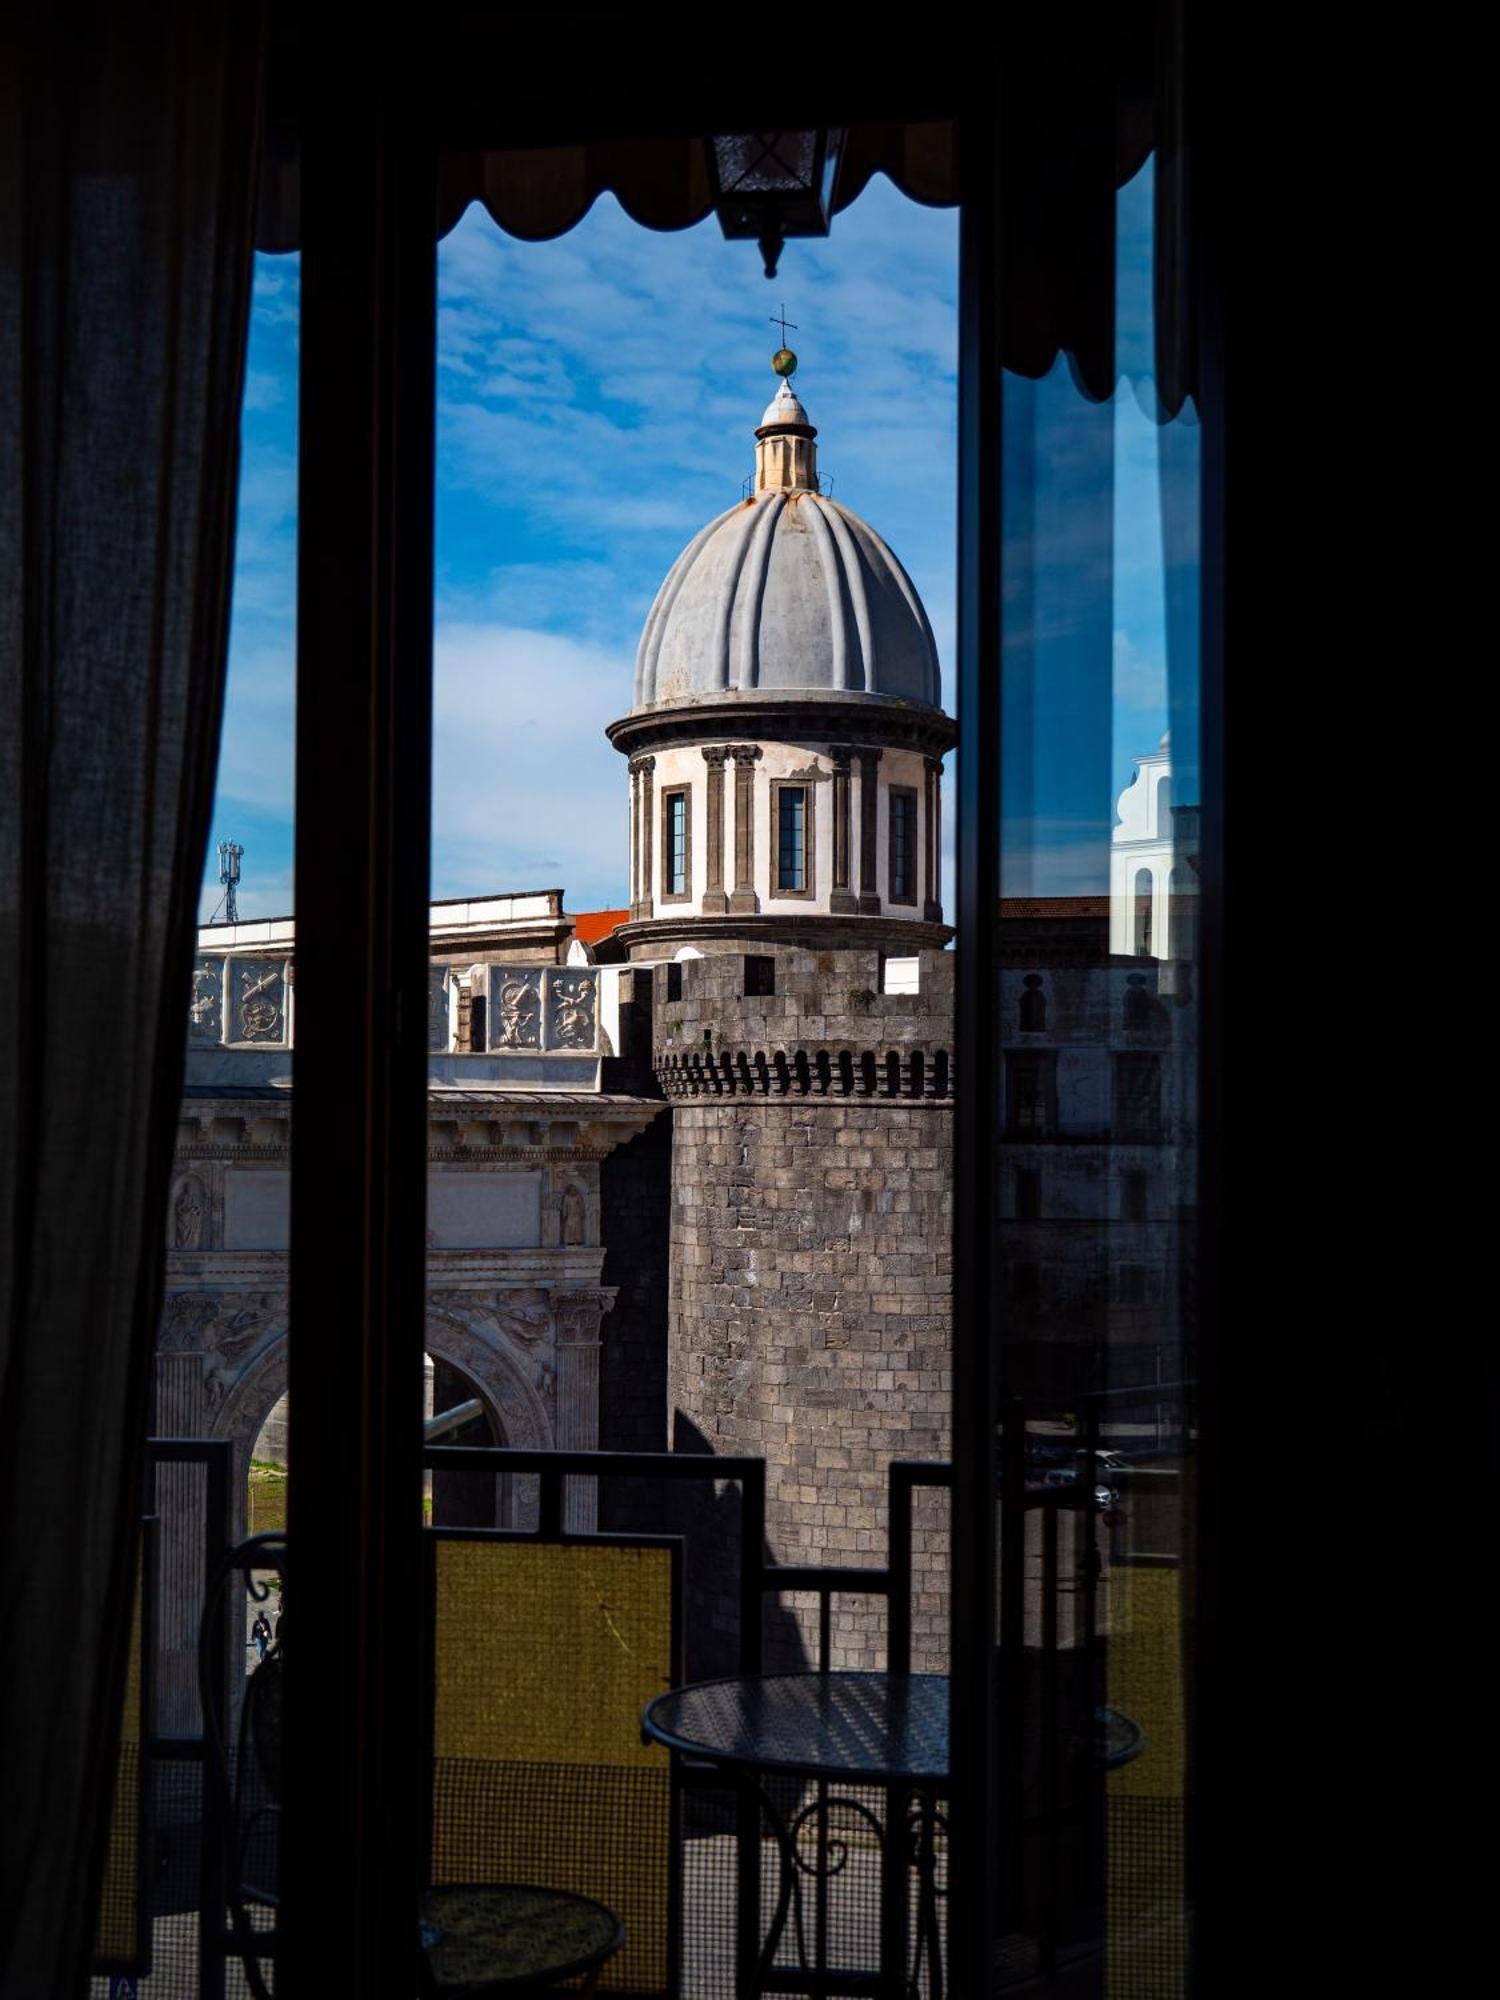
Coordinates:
(864, 1729)
(484, 1939)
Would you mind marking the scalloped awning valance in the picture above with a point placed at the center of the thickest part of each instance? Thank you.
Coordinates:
(1076, 125)
(538, 192)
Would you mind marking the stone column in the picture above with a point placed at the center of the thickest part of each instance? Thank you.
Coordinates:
(934, 910)
(843, 900)
(715, 902)
(869, 893)
(635, 841)
(648, 808)
(576, 1424)
(744, 901)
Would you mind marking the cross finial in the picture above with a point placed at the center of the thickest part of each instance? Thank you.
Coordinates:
(780, 319)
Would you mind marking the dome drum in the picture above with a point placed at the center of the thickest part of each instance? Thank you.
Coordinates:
(780, 831)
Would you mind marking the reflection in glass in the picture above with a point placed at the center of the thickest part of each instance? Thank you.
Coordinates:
(1099, 871)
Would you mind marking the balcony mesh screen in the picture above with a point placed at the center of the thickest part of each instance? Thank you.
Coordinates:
(119, 1908)
(1146, 1928)
(545, 1655)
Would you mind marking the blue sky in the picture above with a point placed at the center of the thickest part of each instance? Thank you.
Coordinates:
(596, 399)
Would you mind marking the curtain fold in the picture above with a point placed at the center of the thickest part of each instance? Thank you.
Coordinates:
(127, 157)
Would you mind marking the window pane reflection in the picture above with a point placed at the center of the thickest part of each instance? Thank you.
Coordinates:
(1097, 1023)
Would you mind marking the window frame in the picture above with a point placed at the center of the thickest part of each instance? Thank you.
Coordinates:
(1135, 1130)
(369, 156)
(1042, 1064)
(906, 796)
(779, 789)
(670, 793)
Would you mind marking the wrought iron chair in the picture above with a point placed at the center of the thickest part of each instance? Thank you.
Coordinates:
(243, 1790)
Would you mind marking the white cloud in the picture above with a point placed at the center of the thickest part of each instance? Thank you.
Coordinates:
(527, 792)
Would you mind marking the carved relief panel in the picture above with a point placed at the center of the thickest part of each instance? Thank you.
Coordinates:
(206, 1005)
(258, 1000)
(516, 1017)
(572, 1013)
(441, 990)
(540, 1009)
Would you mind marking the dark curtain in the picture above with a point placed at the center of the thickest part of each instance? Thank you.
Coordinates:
(126, 180)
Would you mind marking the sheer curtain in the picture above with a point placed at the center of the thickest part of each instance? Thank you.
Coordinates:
(127, 147)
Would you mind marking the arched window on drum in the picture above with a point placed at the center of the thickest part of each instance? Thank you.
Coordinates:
(1143, 897)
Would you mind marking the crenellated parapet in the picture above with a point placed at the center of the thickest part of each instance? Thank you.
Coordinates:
(897, 1075)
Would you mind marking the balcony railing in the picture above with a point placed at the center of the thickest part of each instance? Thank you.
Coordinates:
(1066, 1567)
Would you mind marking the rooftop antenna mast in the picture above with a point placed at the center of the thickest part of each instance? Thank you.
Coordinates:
(230, 853)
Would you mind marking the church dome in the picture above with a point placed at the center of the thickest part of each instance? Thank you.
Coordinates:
(787, 593)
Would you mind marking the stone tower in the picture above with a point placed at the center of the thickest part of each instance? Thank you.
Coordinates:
(784, 745)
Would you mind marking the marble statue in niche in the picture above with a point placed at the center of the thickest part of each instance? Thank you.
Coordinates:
(189, 1215)
(574, 1216)
(520, 1010)
(573, 1011)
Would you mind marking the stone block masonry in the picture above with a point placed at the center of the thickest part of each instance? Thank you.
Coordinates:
(809, 1316)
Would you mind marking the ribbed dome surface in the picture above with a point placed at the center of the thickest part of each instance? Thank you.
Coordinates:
(786, 593)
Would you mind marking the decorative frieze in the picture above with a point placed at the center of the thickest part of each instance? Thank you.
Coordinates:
(538, 1009)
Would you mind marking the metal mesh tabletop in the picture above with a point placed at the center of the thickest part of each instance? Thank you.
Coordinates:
(882, 1728)
(491, 1937)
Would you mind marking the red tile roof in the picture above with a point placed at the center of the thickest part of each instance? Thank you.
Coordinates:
(589, 926)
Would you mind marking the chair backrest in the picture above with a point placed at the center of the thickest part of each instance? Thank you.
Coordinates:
(542, 1656)
(242, 1786)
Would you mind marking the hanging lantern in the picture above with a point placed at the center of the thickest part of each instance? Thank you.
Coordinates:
(771, 185)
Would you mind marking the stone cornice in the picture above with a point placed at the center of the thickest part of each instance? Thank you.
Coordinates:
(593, 1126)
(900, 935)
(824, 718)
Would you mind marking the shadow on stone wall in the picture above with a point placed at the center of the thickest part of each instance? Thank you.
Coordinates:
(710, 1527)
